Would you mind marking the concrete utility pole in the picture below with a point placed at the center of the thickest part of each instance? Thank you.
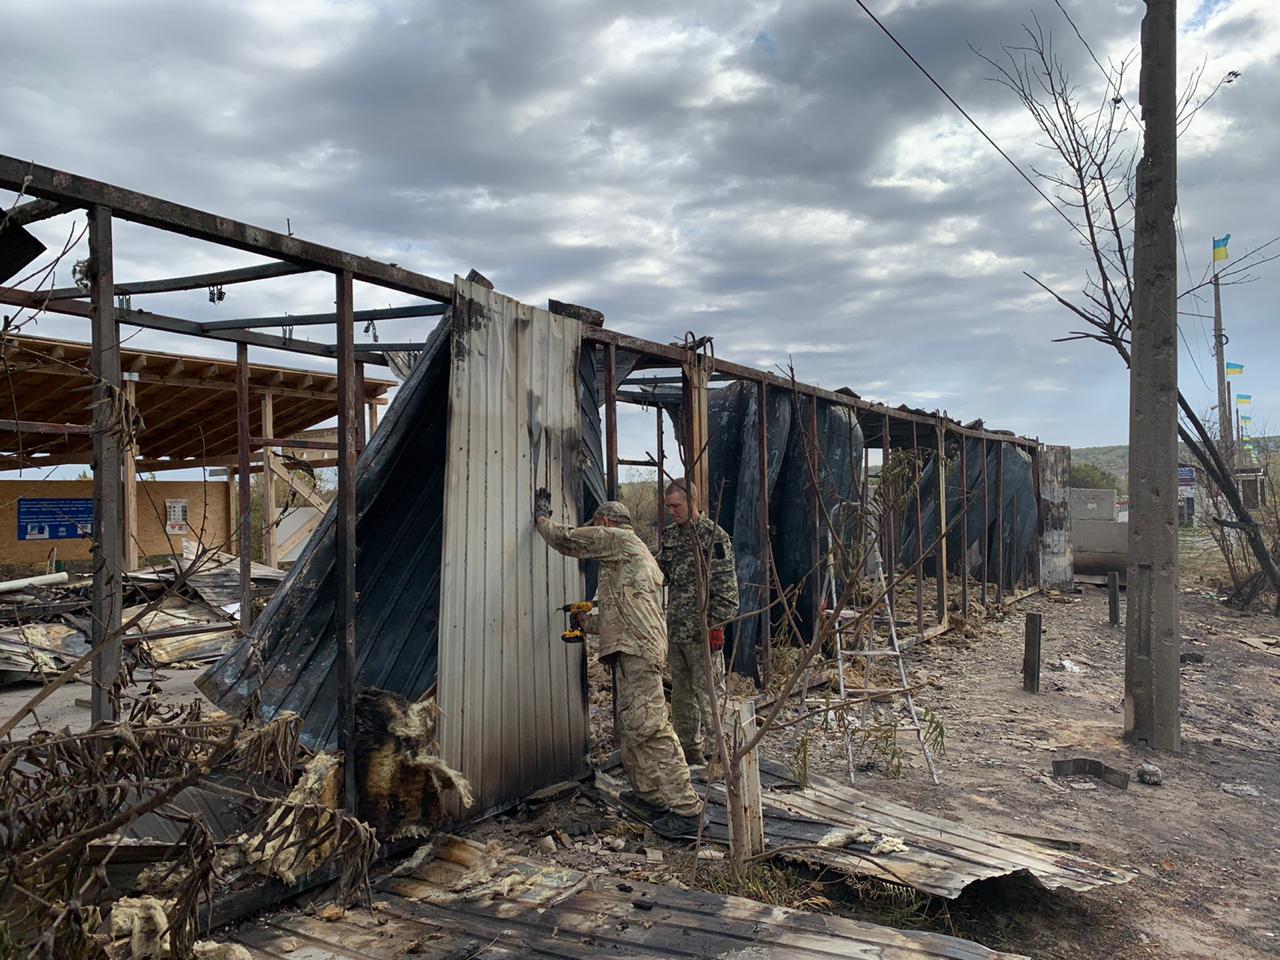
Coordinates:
(1151, 678)
(1220, 357)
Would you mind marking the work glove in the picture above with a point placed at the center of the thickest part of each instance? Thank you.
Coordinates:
(715, 639)
(541, 503)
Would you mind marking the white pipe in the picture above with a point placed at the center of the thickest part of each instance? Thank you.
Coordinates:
(44, 580)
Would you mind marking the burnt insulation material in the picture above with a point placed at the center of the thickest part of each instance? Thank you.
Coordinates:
(399, 526)
(735, 489)
(1020, 513)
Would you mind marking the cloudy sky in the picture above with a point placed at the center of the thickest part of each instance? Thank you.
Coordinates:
(777, 175)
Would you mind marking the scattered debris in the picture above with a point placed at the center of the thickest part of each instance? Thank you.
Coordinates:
(1063, 664)
(709, 853)
(547, 843)
(1088, 767)
(145, 922)
(1241, 789)
(888, 844)
(1191, 656)
(1265, 644)
(1149, 773)
(209, 950)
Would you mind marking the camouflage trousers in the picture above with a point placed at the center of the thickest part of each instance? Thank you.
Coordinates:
(691, 702)
(650, 751)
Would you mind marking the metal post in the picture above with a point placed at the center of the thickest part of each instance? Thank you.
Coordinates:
(915, 472)
(108, 533)
(269, 540)
(986, 524)
(941, 554)
(345, 558)
(360, 424)
(999, 523)
(1113, 598)
(816, 498)
(244, 539)
(611, 419)
(129, 500)
(1152, 644)
(1031, 655)
(964, 529)
(766, 619)
(888, 526)
(662, 472)
(1037, 547)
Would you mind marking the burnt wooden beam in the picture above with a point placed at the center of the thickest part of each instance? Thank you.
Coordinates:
(62, 187)
(31, 426)
(574, 311)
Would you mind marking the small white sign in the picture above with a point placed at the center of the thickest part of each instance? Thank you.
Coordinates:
(175, 517)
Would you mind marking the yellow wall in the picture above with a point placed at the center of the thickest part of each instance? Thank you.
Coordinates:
(207, 509)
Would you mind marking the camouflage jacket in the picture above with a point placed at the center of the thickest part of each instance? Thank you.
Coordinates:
(629, 593)
(680, 566)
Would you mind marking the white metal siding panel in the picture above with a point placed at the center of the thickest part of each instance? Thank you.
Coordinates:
(510, 690)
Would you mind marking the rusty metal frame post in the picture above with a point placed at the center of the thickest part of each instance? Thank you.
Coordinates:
(919, 578)
(986, 524)
(941, 548)
(345, 557)
(816, 464)
(611, 419)
(1000, 523)
(964, 530)
(766, 617)
(129, 467)
(108, 522)
(888, 528)
(244, 540)
(360, 423)
(1037, 546)
(661, 430)
(270, 551)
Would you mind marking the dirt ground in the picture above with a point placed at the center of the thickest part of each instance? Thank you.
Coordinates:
(1204, 857)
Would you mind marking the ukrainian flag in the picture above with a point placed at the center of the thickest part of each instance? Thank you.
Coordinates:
(1244, 399)
(1235, 369)
(1244, 419)
(1220, 248)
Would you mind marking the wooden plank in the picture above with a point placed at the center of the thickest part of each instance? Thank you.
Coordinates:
(63, 187)
(108, 523)
(221, 278)
(31, 212)
(1031, 654)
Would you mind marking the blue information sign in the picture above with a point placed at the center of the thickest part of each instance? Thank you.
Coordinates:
(54, 519)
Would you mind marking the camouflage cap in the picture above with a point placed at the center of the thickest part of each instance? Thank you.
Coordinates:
(614, 510)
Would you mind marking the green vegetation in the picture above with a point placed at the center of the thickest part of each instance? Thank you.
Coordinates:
(1090, 476)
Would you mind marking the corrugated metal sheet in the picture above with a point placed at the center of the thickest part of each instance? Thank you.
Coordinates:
(288, 661)
(551, 911)
(943, 856)
(512, 694)
(1057, 569)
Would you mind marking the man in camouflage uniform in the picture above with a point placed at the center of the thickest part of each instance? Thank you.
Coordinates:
(633, 641)
(692, 704)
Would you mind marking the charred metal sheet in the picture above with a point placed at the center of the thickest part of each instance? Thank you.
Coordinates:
(942, 857)
(288, 661)
(511, 693)
(477, 901)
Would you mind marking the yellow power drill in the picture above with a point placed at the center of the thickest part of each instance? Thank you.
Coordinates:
(573, 633)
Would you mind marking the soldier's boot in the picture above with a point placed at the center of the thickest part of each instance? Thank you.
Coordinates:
(646, 808)
(674, 826)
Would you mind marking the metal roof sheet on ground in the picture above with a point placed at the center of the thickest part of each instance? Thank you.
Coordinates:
(525, 908)
(187, 404)
(942, 858)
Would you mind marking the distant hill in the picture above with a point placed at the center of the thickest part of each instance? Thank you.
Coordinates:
(1115, 460)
